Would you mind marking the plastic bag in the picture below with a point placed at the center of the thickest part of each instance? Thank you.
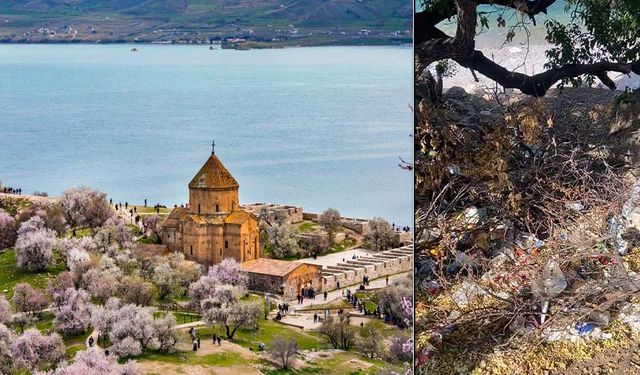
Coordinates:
(550, 283)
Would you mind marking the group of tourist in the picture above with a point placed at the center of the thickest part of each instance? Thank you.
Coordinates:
(358, 304)
(217, 339)
(400, 229)
(283, 309)
(195, 339)
(306, 293)
(11, 190)
(365, 281)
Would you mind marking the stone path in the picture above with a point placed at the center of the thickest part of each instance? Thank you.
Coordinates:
(305, 319)
(335, 258)
(95, 334)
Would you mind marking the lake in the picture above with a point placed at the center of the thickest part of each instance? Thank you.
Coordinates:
(317, 127)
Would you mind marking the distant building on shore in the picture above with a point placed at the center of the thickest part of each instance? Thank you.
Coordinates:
(213, 227)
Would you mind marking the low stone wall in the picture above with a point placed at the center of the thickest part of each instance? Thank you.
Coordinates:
(377, 265)
(355, 224)
(310, 216)
(293, 214)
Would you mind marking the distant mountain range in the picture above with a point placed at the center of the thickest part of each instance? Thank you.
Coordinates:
(283, 22)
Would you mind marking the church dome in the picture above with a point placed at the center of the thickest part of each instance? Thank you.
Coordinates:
(213, 175)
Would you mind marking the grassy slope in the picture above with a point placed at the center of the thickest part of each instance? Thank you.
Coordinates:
(10, 275)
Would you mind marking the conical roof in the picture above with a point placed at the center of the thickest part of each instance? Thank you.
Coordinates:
(213, 175)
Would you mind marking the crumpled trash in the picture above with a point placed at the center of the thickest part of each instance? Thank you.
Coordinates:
(576, 333)
(527, 240)
(575, 206)
(453, 170)
(584, 328)
(474, 215)
(601, 318)
(431, 286)
(520, 325)
(467, 292)
(550, 283)
(630, 315)
(616, 229)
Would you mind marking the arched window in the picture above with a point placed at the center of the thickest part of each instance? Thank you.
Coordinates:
(217, 208)
(226, 244)
(198, 208)
(191, 249)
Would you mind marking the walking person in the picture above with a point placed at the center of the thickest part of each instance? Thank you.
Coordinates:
(219, 341)
(215, 338)
(325, 295)
(387, 279)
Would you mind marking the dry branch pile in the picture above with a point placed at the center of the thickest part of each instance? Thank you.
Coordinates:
(525, 226)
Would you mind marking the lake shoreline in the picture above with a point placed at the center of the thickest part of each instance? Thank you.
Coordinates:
(405, 42)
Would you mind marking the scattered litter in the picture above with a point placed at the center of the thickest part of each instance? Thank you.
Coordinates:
(454, 170)
(584, 328)
(474, 215)
(575, 206)
(466, 293)
(550, 283)
(616, 229)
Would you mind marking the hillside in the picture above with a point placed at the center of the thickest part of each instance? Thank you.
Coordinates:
(284, 22)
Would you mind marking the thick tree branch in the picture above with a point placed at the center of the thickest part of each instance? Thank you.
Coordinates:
(539, 84)
(461, 45)
(439, 46)
(425, 21)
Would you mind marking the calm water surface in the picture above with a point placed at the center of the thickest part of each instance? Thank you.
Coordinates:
(317, 127)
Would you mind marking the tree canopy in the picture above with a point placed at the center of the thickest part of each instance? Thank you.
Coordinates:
(599, 36)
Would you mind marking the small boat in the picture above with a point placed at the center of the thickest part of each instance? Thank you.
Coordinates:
(134, 49)
(210, 47)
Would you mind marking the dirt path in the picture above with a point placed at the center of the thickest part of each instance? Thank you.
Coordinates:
(206, 349)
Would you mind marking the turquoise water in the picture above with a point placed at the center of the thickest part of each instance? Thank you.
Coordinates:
(495, 36)
(318, 127)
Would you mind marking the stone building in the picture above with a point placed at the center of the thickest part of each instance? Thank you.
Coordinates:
(213, 226)
(282, 277)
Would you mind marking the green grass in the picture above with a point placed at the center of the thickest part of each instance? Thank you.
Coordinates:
(268, 329)
(181, 318)
(10, 275)
(341, 246)
(307, 226)
(147, 240)
(339, 304)
(340, 363)
(44, 323)
(75, 343)
(80, 232)
(222, 359)
(13, 205)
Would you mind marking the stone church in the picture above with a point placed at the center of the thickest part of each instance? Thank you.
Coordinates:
(213, 226)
